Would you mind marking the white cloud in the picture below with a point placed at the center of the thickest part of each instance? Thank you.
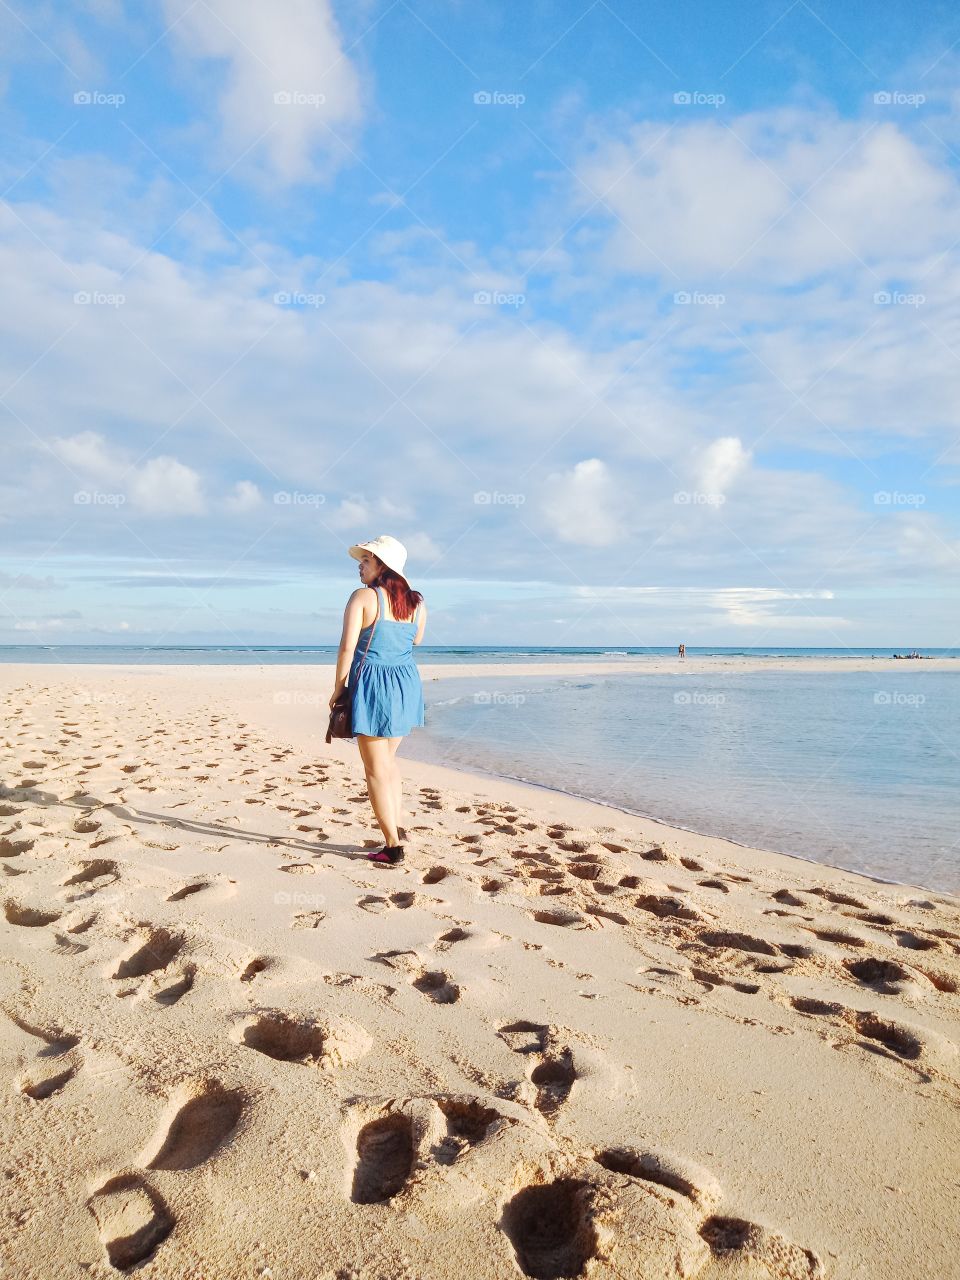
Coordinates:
(244, 497)
(580, 505)
(290, 87)
(722, 462)
(783, 194)
(164, 486)
(421, 548)
(161, 486)
(87, 452)
(348, 514)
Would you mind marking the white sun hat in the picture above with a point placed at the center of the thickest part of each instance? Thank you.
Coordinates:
(392, 552)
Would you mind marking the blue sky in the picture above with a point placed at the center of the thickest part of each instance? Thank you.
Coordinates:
(633, 323)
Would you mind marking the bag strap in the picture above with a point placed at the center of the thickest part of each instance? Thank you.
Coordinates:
(373, 628)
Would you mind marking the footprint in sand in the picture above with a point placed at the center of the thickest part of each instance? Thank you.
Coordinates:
(89, 879)
(258, 965)
(303, 1040)
(665, 906)
(55, 1065)
(882, 1035)
(376, 904)
(468, 1122)
(308, 919)
(28, 917)
(433, 983)
(554, 1074)
(438, 986)
(435, 875)
(553, 1077)
(886, 977)
(550, 1228)
(133, 1220)
(561, 919)
(446, 940)
(155, 950)
(14, 848)
(200, 1120)
(385, 1153)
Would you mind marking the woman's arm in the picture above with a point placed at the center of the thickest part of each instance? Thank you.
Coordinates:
(352, 622)
(423, 622)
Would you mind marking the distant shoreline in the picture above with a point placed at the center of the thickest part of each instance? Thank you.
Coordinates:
(690, 667)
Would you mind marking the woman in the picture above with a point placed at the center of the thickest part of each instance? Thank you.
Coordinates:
(382, 622)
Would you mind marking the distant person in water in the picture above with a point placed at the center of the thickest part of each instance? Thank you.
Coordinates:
(382, 622)
(682, 650)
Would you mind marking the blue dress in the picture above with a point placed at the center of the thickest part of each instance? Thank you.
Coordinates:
(386, 691)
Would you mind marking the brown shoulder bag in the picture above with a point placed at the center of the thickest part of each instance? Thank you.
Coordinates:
(341, 713)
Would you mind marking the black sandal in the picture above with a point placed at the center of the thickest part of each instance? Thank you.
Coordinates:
(390, 854)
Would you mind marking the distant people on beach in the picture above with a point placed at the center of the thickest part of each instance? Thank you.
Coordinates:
(383, 620)
(914, 654)
(682, 650)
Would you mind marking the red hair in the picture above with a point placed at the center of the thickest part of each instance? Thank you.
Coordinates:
(403, 598)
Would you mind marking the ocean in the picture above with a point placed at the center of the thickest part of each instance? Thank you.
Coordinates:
(857, 769)
(278, 655)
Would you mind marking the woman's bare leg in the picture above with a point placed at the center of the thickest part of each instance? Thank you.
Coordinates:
(398, 782)
(379, 767)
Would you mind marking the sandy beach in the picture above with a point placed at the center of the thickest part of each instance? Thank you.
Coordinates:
(557, 1041)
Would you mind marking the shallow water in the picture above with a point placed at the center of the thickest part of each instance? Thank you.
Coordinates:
(858, 770)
